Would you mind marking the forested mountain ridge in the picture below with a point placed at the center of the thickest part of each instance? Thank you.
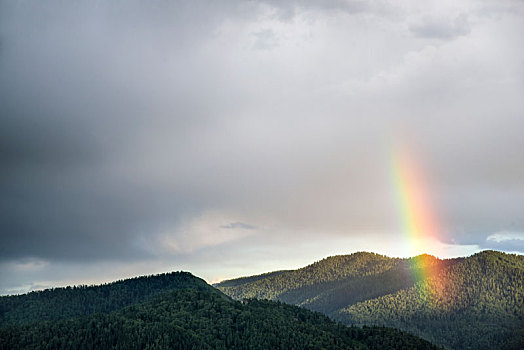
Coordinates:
(176, 311)
(62, 303)
(323, 274)
(465, 303)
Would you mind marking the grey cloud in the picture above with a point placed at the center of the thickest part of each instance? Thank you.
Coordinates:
(344, 5)
(121, 123)
(240, 225)
(494, 238)
(509, 245)
(72, 114)
(287, 10)
(264, 40)
(441, 28)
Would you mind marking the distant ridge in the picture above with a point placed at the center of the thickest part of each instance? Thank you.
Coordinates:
(474, 302)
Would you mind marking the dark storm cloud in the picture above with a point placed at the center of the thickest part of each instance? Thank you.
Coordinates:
(144, 130)
(79, 103)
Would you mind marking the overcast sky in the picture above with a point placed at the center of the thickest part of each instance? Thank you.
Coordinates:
(236, 137)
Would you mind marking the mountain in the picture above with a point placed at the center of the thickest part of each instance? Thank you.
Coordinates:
(465, 303)
(64, 303)
(176, 311)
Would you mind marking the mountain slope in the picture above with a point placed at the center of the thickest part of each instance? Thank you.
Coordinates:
(61, 303)
(466, 303)
(302, 285)
(187, 314)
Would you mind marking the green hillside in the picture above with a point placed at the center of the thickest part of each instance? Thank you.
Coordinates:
(62, 303)
(176, 311)
(466, 303)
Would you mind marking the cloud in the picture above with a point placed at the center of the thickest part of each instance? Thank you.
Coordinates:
(506, 241)
(289, 9)
(143, 134)
(239, 225)
(264, 40)
(441, 28)
(505, 236)
(31, 265)
(509, 245)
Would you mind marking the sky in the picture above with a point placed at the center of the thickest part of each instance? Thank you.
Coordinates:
(230, 138)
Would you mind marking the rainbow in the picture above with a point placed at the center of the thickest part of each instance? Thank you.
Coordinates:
(419, 222)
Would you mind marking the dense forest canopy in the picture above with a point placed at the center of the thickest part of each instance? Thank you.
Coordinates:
(176, 311)
(465, 303)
